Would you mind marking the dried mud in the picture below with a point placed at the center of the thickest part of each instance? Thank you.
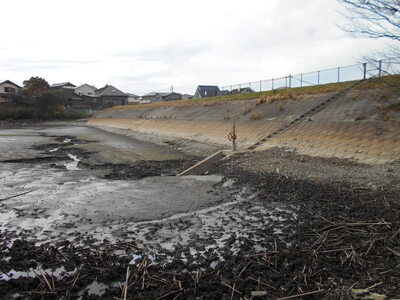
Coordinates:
(286, 237)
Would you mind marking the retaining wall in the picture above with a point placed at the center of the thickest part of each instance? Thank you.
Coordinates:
(355, 126)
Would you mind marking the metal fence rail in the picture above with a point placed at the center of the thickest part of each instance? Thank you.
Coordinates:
(340, 74)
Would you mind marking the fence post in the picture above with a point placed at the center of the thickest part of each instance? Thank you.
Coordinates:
(260, 86)
(318, 77)
(380, 68)
(286, 82)
(272, 85)
(338, 74)
(365, 71)
(301, 80)
(290, 81)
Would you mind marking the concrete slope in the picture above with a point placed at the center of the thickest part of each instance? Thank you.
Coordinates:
(357, 125)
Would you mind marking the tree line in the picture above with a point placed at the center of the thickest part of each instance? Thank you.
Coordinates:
(36, 100)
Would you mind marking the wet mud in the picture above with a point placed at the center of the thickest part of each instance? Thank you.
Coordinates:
(265, 235)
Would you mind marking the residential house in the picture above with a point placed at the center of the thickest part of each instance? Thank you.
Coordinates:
(9, 92)
(144, 101)
(133, 99)
(110, 96)
(187, 96)
(170, 96)
(63, 85)
(85, 90)
(242, 91)
(205, 91)
(161, 97)
(81, 101)
(150, 97)
(224, 93)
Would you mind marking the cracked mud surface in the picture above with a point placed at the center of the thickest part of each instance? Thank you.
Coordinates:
(84, 220)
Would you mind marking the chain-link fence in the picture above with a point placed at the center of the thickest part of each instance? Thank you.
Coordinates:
(373, 68)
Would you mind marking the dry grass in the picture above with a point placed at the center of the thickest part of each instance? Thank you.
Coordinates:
(268, 99)
(393, 107)
(378, 106)
(263, 99)
(247, 110)
(360, 117)
(256, 116)
(388, 116)
(206, 104)
(226, 116)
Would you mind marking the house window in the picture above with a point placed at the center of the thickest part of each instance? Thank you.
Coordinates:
(9, 89)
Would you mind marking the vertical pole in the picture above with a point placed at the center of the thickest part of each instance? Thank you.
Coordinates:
(365, 71)
(290, 81)
(286, 82)
(318, 77)
(234, 136)
(260, 86)
(301, 80)
(338, 74)
(272, 84)
(231, 88)
(380, 68)
(250, 85)
(240, 86)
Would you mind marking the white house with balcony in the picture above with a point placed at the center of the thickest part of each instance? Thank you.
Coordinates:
(86, 90)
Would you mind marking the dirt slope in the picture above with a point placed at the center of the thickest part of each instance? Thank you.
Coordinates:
(359, 125)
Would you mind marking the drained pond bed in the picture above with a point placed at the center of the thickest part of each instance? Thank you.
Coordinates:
(134, 231)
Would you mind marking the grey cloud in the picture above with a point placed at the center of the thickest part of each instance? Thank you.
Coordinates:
(173, 51)
(24, 64)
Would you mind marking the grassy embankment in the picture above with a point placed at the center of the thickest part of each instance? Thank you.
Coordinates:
(386, 83)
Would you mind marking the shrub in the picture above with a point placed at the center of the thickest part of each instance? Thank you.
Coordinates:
(247, 110)
(21, 113)
(275, 98)
(16, 112)
(256, 115)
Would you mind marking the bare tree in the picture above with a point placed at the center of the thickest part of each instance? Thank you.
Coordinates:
(373, 18)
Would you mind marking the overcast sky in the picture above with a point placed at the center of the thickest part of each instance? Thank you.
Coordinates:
(143, 46)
